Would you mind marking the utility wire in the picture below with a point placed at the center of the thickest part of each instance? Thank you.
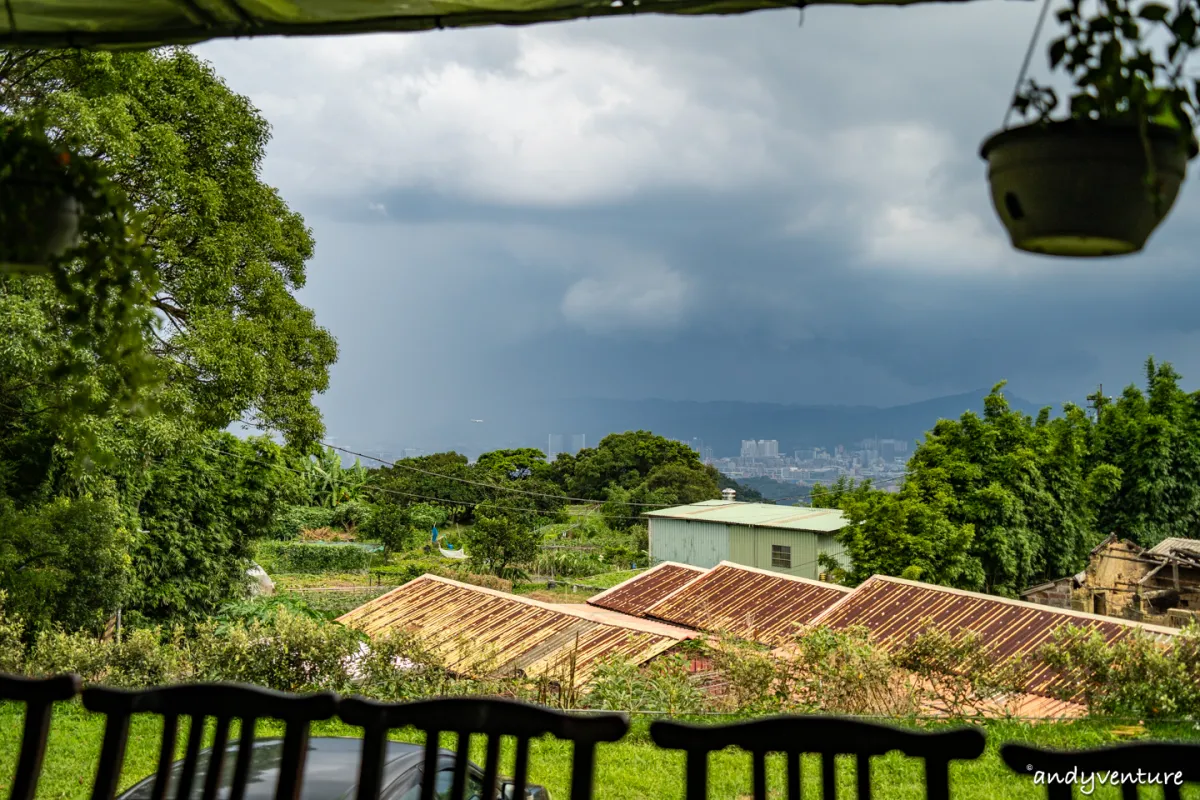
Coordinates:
(384, 490)
(484, 484)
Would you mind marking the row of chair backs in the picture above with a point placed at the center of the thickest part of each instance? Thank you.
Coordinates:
(495, 719)
(827, 737)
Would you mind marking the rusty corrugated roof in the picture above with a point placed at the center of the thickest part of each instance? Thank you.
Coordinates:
(749, 603)
(894, 610)
(481, 631)
(640, 592)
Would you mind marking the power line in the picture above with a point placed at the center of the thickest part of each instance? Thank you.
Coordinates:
(486, 485)
(499, 487)
(443, 500)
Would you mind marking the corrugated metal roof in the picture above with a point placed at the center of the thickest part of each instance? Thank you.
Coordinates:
(763, 515)
(480, 631)
(748, 603)
(610, 617)
(640, 592)
(1164, 547)
(894, 610)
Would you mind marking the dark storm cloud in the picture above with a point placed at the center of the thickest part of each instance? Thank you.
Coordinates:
(761, 212)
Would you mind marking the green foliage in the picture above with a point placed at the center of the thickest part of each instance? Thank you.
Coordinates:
(187, 152)
(392, 527)
(64, 563)
(398, 666)
(664, 685)
(1135, 676)
(568, 563)
(351, 514)
(498, 541)
(1119, 75)
(403, 571)
(12, 639)
(329, 484)
(314, 557)
(291, 520)
(206, 502)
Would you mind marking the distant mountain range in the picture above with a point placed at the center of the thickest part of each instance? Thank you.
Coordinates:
(723, 425)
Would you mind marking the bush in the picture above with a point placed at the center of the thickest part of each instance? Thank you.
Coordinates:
(313, 557)
(398, 666)
(288, 653)
(293, 519)
(664, 685)
(12, 640)
(351, 514)
(1135, 676)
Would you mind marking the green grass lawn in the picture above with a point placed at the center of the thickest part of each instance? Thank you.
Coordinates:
(630, 769)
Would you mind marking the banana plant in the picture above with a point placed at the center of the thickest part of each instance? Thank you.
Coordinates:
(330, 484)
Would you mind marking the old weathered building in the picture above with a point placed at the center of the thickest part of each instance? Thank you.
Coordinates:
(1160, 585)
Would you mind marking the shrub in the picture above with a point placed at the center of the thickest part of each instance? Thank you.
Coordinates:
(56, 651)
(313, 557)
(293, 519)
(1135, 676)
(351, 514)
(288, 653)
(664, 685)
(142, 658)
(959, 675)
(12, 640)
(843, 672)
(398, 666)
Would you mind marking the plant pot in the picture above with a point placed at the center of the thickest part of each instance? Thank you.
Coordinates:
(38, 222)
(1079, 189)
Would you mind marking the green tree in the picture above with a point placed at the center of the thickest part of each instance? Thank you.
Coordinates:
(66, 563)
(188, 151)
(499, 540)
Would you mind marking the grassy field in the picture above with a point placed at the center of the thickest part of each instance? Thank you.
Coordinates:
(607, 580)
(629, 770)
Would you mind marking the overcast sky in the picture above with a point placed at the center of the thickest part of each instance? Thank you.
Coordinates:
(734, 208)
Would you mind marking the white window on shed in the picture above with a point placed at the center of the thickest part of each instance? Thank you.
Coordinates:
(781, 556)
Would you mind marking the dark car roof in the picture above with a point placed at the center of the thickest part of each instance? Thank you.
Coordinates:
(330, 769)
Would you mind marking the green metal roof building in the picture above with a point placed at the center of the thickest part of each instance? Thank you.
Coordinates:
(784, 539)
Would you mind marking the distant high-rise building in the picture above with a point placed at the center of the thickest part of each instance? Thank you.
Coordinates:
(554, 446)
(707, 455)
(768, 448)
(749, 448)
(578, 442)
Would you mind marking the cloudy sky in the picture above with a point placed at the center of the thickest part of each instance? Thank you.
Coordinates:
(733, 208)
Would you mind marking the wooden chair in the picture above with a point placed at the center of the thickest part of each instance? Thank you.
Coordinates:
(1056, 766)
(796, 735)
(198, 702)
(38, 695)
(467, 716)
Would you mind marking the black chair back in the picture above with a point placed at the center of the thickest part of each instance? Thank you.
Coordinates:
(1137, 763)
(828, 737)
(38, 695)
(469, 716)
(198, 702)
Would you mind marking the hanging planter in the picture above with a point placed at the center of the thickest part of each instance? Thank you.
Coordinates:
(1099, 182)
(39, 213)
(1073, 189)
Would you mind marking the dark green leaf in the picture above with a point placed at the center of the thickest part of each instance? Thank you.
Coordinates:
(1154, 12)
(1058, 49)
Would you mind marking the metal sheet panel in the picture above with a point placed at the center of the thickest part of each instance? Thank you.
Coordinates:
(895, 610)
(484, 632)
(700, 544)
(640, 592)
(767, 515)
(752, 604)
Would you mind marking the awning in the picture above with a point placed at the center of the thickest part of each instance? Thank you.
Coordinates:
(148, 23)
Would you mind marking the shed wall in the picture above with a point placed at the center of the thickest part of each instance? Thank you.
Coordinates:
(700, 544)
(706, 544)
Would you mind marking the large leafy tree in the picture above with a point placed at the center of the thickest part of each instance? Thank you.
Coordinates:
(234, 341)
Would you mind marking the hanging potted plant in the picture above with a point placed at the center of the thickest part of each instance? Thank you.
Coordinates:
(1098, 181)
(39, 208)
